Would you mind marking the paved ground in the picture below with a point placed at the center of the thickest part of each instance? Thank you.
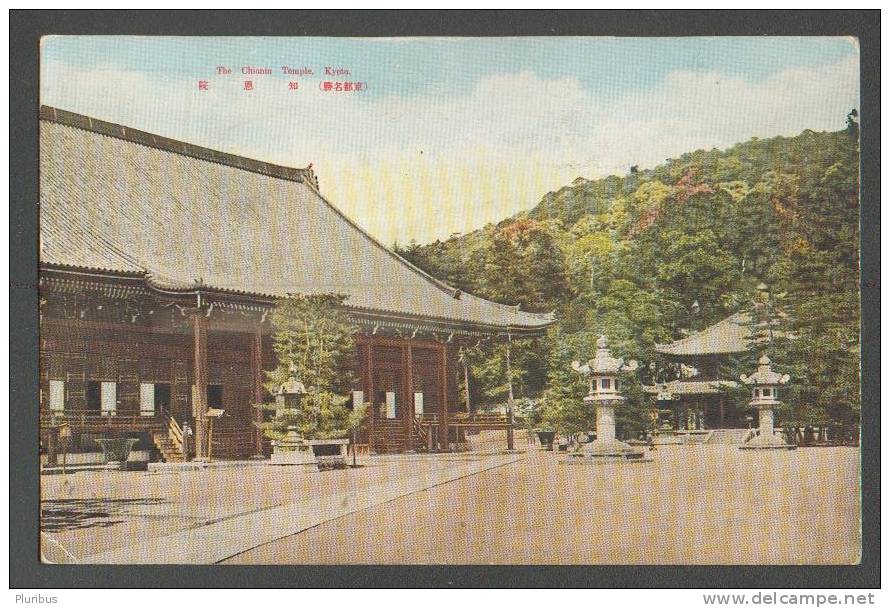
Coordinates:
(694, 504)
(125, 516)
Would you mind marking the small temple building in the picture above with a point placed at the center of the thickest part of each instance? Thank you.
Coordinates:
(697, 399)
(159, 263)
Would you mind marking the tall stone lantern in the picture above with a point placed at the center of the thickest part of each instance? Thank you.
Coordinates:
(764, 396)
(292, 448)
(603, 373)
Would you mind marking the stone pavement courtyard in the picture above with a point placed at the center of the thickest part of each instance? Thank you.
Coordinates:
(697, 504)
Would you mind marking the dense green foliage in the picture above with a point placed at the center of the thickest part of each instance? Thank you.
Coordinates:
(313, 343)
(629, 256)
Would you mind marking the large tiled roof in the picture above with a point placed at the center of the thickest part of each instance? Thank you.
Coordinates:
(124, 201)
(731, 335)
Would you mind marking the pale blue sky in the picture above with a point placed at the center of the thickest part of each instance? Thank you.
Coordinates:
(606, 67)
(455, 132)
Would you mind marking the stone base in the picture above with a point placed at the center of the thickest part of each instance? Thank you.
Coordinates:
(667, 440)
(289, 457)
(581, 458)
(767, 442)
(610, 448)
(610, 451)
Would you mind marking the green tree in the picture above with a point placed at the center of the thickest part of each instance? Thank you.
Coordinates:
(313, 343)
(523, 264)
(629, 255)
(563, 408)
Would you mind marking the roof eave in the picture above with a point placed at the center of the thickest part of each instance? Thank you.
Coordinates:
(445, 323)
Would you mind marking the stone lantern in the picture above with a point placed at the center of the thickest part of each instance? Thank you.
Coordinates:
(764, 396)
(603, 373)
(292, 448)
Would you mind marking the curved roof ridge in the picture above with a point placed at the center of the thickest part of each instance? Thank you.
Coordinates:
(175, 146)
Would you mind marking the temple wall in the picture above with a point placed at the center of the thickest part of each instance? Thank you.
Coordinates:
(129, 358)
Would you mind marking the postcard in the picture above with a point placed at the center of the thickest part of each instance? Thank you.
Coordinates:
(449, 300)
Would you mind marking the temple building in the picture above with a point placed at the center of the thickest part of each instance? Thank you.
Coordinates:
(159, 263)
(697, 400)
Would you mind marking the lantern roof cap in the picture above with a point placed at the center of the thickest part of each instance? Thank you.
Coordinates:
(292, 387)
(604, 362)
(765, 374)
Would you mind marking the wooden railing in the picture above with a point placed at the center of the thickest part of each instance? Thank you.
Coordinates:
(479, 420)
(420, 429)
(426, 426)
(135, 422)
(174, 431)
(466, 417)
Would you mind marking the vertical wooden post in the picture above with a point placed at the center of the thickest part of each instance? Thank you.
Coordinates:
(408, 390)
(370, 396)
(209, 439)
(462, 355)
(722, 413)
(509, 395)
(52, 446)
(256, 372)
(199, 395)
(443, 401)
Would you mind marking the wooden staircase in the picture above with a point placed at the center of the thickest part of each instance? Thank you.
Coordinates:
(169, 440)
(233, 438)
(170, 452)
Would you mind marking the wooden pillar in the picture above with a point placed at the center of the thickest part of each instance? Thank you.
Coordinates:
(509, 396)
(199, 393)
(52, 443)
(372, 414)
(467, 386)
(256, 394)
(722, 412)
(443, 402)
(408, 390)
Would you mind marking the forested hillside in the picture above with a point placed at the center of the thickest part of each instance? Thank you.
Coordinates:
(631, 255)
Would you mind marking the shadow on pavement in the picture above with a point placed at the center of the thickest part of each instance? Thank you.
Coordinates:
(80, 513)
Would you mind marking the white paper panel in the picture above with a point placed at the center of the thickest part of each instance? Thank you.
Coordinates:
(56, 395)
(109, 396)
(147, 399)
(418, 404)
(390, 404)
